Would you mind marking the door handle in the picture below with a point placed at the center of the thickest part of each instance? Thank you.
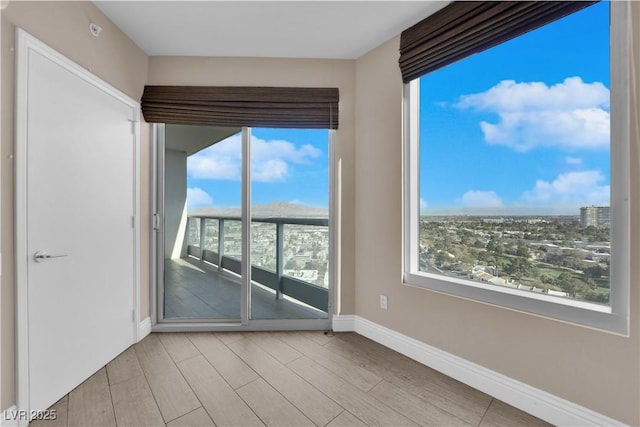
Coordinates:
(42, 256)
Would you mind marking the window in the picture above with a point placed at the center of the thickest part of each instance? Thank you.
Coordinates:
(517, 172)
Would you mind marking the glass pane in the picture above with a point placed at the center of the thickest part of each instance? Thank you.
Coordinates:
(211, 239)
(306, 254)
(233, 239)
(263, 246)
(193, 232)
(202, 197)
(290, 234)
(515, 162)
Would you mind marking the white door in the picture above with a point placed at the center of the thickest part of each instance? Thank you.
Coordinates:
(80, 238)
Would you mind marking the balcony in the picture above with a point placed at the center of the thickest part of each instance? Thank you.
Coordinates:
(289, 269)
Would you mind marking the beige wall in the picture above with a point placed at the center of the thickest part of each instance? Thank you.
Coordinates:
(595, 369)
(285, 72)
(114, 58)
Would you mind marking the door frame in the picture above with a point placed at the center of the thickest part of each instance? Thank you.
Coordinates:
(245, 323)
(26, 43)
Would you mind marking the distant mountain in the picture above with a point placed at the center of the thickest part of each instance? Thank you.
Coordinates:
(276, 209)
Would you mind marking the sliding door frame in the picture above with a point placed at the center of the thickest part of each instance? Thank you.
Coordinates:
(159, 323)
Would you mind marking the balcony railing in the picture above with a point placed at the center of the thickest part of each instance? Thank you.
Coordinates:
(216, 239)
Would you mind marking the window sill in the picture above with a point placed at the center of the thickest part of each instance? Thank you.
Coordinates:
(581, 313)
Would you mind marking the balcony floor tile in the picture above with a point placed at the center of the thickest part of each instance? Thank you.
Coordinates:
(195, 289)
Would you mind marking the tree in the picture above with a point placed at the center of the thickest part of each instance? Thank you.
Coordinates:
(522, 250)
(596, 297)
(494, 245)
(464, 254)
(573, 286)
(313, 265)
(518, 267)
(547, 279)
(440, 258)
(482, 256)
(568, 283)
(291, 264)
(595, 272)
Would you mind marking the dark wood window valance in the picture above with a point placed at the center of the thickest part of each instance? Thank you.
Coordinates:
(274, 107)
(466, 27)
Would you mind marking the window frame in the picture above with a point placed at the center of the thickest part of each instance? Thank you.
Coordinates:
(612, 318)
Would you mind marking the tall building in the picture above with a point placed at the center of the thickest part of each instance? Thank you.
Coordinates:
(597, 216)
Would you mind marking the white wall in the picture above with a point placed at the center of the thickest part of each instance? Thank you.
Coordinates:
(175, 204)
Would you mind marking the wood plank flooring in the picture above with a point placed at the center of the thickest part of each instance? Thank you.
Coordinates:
(274, 379)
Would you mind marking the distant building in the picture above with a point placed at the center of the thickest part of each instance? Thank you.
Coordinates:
(596, 216)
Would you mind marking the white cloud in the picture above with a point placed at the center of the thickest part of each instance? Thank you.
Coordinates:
(220, 161)
(270, 159)
(423, 204)
(570, 115)
(197, 197)
(212, 167)
(481, 199)
(270, 171)
(572, 188)
(573, 160)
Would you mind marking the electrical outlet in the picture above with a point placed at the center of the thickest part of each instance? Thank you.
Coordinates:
(383, 302)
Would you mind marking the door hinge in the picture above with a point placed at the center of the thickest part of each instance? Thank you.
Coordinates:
(133, 221)
(133, 315)
(156, 221)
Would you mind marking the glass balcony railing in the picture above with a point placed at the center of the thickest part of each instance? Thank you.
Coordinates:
(288, 255)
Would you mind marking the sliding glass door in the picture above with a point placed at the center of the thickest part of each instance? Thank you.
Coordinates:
(289, 223)
(201, 163)
(243, 227)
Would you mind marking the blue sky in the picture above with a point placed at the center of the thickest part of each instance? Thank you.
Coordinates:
(288, 165)
(522, 127)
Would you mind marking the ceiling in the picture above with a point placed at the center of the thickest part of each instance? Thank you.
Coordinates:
(277, 29)
(191, 138)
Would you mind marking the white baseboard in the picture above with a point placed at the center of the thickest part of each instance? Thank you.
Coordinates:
(144, 328)
(539, 403)
(343, 323)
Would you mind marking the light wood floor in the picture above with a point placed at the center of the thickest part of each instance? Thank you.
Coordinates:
(274, 379)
